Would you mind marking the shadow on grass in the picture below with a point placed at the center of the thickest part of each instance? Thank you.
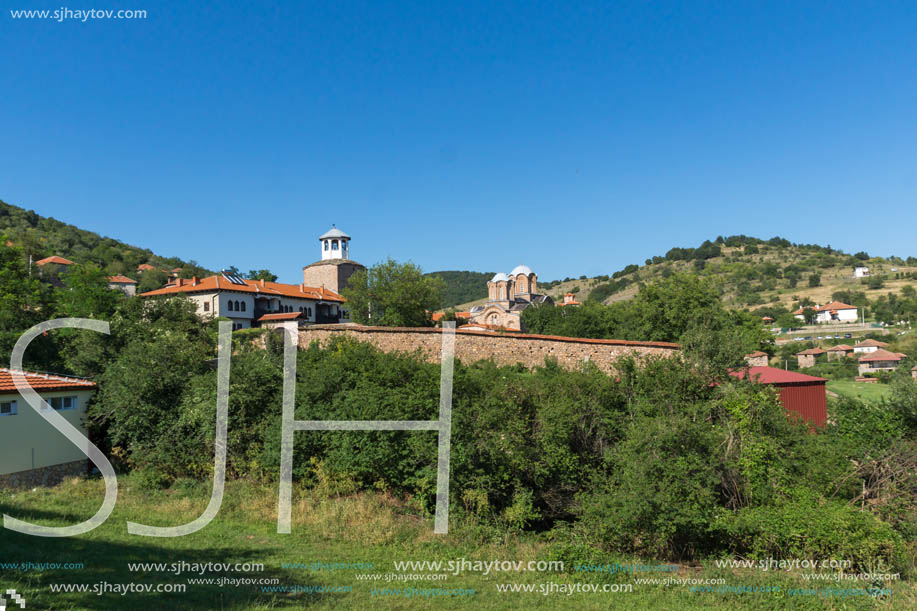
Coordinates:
(104, 554)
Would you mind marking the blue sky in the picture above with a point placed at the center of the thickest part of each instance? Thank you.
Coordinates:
(465, 135)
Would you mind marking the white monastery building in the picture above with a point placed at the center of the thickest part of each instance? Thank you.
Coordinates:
(252, 303)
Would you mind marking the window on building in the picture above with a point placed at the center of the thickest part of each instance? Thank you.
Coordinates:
(206, 306)
(326, 244)
(334, 244)
(62, 403)
(310, 313)
(243, 306)
(229, 305)
(8, 408)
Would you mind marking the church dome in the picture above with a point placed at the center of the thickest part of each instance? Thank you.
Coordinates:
(334, 232)
(521, 269)
(500, 277)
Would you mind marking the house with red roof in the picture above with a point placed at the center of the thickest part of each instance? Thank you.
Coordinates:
(32, 451)
(246, 302)
(800, 394)
(832, 312)
(868, 345)
(841, 351)
(55, 260)
(880, 360)
(123, 284)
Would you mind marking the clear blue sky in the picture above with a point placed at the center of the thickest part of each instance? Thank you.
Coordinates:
(466, 135)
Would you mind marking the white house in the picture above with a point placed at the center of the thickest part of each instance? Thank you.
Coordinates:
(247, 302)
(868, 345)
(32, 451)
(832, 312)
(860, 271)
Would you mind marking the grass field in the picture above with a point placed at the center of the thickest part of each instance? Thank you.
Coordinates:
(858, 390)
(369, 528)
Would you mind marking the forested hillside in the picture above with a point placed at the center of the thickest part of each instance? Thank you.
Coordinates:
(463, 286)
(41, 237)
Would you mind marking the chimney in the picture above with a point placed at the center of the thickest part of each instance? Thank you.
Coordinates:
(178, 282)
(302, 288)
(193, 280)
(262, 282)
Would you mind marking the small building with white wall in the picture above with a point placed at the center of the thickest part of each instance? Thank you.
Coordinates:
(860, 271)
(832, 312)
(868, 345)
(32, 451)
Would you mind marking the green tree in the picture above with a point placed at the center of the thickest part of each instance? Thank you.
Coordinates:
(152, 279)
(85, 293)
(814, 280)
(261, 274)
(393, 294)
(24, 301)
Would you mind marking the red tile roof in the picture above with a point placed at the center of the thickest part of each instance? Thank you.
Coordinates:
(55, 259)
(281, 316)
(755, 353)
(881, 355)
(121, 280)
(43, 381)
(772, 375)
(144, 267)
(815, 351)
(840, 348)
(259, 287)
(871, 343)
(829, 307)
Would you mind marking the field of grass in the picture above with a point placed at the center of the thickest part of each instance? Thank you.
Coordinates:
(368, 527)
(858, 390)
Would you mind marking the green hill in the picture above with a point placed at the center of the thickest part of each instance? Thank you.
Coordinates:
(769, 277)
(41, 237)
(463, 286)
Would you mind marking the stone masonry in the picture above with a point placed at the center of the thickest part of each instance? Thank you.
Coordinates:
(503, 348)
(43, 476)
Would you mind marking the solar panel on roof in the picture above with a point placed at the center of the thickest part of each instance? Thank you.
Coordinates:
(235, 279)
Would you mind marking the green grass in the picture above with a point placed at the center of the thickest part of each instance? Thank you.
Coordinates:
(859, 390)
(365, 527)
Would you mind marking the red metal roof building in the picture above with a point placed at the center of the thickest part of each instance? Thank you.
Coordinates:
(799, 393)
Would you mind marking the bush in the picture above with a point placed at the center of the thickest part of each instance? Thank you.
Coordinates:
(806, 526)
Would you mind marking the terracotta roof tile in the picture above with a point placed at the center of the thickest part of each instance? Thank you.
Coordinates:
(815, 351)
(772, 375)
(871, 343)
(259, 287)
(281, 316)
(881, 355)
(43, 381)
(55, 259)
(119, 279)
(840, 348)
(755, 353)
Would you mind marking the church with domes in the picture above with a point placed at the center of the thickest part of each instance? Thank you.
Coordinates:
(507, 296)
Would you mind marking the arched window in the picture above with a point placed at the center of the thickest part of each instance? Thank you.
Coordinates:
(334, 244)
(230, 305)
(326, 244)
(310, 312)
(243, 306)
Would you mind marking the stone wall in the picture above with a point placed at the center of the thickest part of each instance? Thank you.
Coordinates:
(503, 348)
(43, 476)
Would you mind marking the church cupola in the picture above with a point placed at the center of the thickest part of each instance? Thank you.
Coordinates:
(335, 244)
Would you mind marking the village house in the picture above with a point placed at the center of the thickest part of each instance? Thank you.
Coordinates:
(880, 360)
(569, 300)
(252, 303)
(123, 284)
(831, 312)
(32, 451)
(839, 352)
(860, 271)
(807, 358)
(868, 345)
(757, 359)
(508, 295)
